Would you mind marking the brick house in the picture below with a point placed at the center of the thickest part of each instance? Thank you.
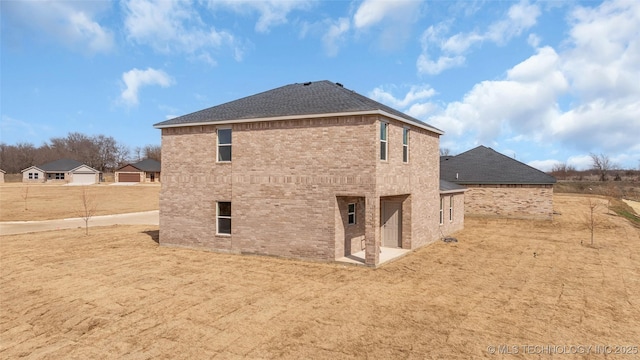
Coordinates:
(308, 171)
(499, 185)
(66, 171)
(146, 170)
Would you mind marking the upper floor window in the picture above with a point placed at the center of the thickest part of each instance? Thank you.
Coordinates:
(405, 145)
(384, 135)
(224, 144)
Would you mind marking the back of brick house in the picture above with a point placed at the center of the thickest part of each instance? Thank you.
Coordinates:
(309, 171)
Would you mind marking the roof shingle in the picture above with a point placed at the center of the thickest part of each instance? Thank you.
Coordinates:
(483, 165)
(312, 98)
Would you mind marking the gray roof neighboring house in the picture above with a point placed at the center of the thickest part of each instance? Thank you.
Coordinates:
(146, 165)
(309, 100)
(483, 165)
(62, 165)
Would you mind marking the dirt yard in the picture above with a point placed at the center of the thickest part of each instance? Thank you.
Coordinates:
(505, 284)
(20, 201)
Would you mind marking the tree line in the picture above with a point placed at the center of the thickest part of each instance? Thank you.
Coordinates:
(101, 152)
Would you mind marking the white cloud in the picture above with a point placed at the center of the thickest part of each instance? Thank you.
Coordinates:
(580, 162)
(135, 79)
(70, 22)
(335, 36)
(372, 12)
(595, 77)
(174, 26)
(272, 12)
(451, 50)
(428, 66)
(415, 93)
(543, 165)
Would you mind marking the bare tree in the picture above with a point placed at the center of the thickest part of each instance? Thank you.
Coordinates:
(602, 164)
(590, 219)
(88, 209)
(152, 152)
(445, 152)
(25, 196)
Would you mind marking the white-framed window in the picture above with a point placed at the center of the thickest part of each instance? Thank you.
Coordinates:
(451, 208)
(35, 176)
(30, 176)
(441, 210)
(351, 214)
(405, 145)
(223, 218)
(224, 145)
(384, 136)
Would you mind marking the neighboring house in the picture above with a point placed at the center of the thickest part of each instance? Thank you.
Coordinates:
(499, 185)
(451, 216)
(2, 172)
(147, 170)
(310, 171)
(63, 171)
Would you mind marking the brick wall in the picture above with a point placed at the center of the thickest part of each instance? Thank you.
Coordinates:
(448, 226)
(289, 182)
(523, 201)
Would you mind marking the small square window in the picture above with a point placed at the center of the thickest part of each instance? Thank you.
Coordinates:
(351, 214)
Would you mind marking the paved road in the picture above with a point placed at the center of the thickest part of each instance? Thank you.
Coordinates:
(22, 227)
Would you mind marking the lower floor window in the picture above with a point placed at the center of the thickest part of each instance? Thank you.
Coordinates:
(57, 176)
(351, 214)
(223, 215)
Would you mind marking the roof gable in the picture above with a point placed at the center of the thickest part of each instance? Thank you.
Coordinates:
(147, 165)
(311, 99)
(60, 165)
(483, 165)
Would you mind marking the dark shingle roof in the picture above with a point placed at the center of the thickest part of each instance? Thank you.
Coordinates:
(483, 165)
(447, 186)
(148, 165)
(312, 98)
(60, 165)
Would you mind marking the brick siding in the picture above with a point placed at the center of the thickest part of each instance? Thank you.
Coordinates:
(516, 201)
(289, 183)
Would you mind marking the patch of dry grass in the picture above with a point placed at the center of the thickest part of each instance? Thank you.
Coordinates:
(21, 202)
(115, 294)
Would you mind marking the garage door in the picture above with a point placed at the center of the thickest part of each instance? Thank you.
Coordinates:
(129, 177)
(84, 178)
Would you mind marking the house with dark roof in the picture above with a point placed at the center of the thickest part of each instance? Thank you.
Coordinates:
(147, 170)
(499, 185)
(62, 171)
(309, 170)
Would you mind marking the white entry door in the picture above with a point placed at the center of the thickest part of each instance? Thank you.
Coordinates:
(391, 224)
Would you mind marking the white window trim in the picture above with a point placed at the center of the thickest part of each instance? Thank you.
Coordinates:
(441, 210)
(355, 209)
(385, 141)
(218, 144)
(450, 208)
(405, 146)
(218, 217)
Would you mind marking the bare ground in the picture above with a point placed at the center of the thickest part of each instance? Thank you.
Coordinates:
(21, 202)
(116, 294)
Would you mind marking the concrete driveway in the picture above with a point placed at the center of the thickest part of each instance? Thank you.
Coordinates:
(22, 227)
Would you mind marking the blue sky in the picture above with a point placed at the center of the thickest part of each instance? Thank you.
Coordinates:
(545, 82)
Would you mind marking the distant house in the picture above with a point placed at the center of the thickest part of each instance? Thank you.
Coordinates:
(310, 170)
(147, 170)
(2, 172)
(499, 185)
(63, 171)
